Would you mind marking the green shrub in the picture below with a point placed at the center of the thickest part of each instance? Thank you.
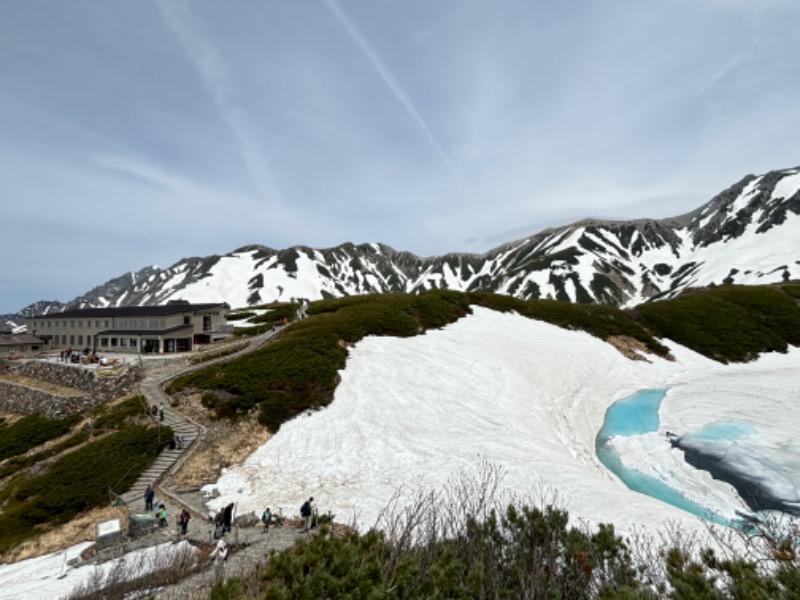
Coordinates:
(17, 463)
(240, 316)
(726, 323)
(114, 416)
(78, 481)
(31, 431)
(525, 553)
(599, 320)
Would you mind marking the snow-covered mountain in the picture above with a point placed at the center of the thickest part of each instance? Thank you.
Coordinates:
(747, 234)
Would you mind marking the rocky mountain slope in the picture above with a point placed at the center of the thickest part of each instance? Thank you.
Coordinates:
(747, 234)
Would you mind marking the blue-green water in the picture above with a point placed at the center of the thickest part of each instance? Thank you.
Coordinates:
(636, 415)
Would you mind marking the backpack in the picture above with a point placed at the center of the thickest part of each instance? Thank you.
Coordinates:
(266, 516)
(305, 510)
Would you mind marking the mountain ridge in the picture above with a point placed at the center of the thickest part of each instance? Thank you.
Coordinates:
(749, 233)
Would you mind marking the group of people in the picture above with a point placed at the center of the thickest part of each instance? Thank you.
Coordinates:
(222, 521)
(84, 357)
(160, 512)
(158, 411)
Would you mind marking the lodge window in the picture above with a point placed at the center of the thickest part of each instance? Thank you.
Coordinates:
(104, 341)
(187, 320)
(123, 341)
(114, 342)
(132, 342)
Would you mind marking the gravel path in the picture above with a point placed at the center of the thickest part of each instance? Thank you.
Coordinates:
(249, 546)
(252, 549)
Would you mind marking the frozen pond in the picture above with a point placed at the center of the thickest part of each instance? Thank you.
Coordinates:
(636, 415)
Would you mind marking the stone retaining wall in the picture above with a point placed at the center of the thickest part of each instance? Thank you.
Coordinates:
(22, 399)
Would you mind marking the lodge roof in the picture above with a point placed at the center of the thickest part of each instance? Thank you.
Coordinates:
(19, 339)
(132, 311)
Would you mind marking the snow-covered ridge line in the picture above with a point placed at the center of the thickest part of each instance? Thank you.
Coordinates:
(747, 234)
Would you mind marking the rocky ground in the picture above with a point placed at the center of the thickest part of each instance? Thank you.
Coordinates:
(249, 547)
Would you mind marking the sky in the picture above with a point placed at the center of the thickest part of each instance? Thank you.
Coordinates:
(411, 415)
(139, 132)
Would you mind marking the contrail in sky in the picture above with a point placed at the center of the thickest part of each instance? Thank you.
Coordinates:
(387, 77)
(215, 76)
(731, 66)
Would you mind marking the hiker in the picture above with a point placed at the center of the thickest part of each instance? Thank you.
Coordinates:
(183, 521)
(154, 411)
(307, 512)
(220, 557)
(219, 524)
(227, 517)
(149, 494)
(266, 517)
(161, 412)
(161, 515)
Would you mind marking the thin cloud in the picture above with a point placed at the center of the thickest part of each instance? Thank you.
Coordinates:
(214, 72)
(388, 78)
(732, 65)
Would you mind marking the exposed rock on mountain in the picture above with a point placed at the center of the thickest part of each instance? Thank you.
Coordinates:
(747, 234)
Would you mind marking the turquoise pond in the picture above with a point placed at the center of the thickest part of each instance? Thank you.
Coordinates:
(636, 415)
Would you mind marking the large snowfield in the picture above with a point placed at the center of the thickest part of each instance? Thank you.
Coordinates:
(412, 414)
(529, 397)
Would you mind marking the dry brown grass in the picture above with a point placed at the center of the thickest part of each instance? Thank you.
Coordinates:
(10, 418)
(51, 388)
(226, 443)
(80, 529)
(632, 348)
